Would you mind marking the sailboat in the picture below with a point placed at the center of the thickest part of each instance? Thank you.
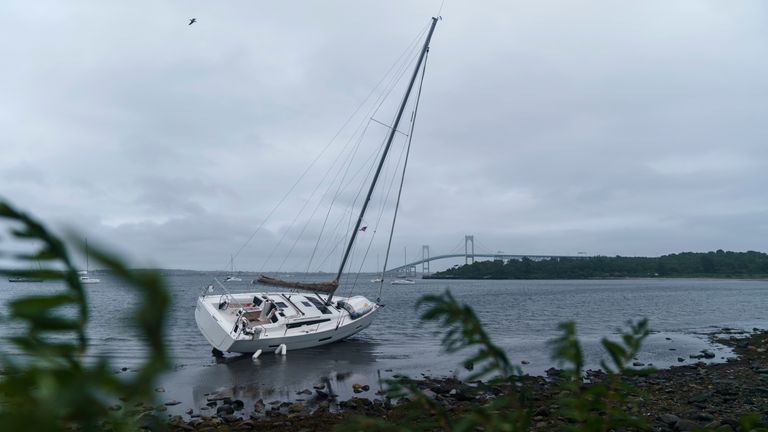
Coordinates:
(84, 278)
(380, 277)
(289, 320)
(232, 277)
(404, 280)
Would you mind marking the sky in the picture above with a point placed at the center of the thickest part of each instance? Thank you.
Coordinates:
(545, 127)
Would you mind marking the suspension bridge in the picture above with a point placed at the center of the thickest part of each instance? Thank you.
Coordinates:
(469, 256)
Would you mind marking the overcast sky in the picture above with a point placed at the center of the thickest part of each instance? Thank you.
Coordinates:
(545, 127)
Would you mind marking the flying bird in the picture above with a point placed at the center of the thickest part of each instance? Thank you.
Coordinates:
(192, 21)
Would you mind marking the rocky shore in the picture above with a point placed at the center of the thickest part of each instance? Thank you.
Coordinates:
(680, 398)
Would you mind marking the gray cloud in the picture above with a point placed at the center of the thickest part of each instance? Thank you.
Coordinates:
(611, 128)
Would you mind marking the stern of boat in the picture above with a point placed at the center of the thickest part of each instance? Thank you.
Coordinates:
(210, 327)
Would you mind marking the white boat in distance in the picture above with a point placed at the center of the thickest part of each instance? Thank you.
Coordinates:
(232, 277)
(84, 278)
(403, 282)
(248, 322)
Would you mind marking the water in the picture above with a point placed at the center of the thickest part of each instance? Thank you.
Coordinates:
(520, 316)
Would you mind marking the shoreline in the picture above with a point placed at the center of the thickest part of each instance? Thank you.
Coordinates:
(674, 399)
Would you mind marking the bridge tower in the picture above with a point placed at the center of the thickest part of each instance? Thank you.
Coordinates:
(469, 249)
(425, 258)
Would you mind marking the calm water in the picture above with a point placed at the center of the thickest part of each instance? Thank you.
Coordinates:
(521, 316)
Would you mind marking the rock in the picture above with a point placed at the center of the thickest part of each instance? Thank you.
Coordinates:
(319, 386)
(172, 402)
(258, 406)
(321, 394)
(115, 407)
(357, 388)
(638, 364)
(124, 369)
(699, 397)
(468, 365)
(160, 390)
(219, 396)
(680, 359)
(238, 405)
(225, 410)
(366, 387)
(707, 417)
(304, 392)
(686, 425)
(189, 412)
(668, 419)
(525, 362)
(297, 408)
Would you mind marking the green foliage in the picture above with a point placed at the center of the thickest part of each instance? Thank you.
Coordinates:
(464, 330)
(687, 264)
(604, 405)
(46, 384)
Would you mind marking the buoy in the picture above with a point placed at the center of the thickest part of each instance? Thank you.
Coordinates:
(280, 349)
(285, 349)
(256, 355)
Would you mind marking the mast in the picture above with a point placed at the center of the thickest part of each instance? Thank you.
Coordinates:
(390, 138)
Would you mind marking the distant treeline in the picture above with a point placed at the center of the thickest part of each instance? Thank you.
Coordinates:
(719, 264)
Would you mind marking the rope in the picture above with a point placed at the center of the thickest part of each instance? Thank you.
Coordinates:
(331, 141)
(405, 164)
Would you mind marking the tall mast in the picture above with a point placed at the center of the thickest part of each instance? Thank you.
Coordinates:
(390, 138)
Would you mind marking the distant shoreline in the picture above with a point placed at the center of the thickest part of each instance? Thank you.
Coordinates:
(759, 277)
(686, 265)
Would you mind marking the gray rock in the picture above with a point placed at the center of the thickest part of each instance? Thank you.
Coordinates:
(668, 419)
(638, 364)
(686, 425)
(172, 402)
(225, 410)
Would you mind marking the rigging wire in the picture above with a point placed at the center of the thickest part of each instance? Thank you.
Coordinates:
(328, 145)
(360, 131)
(405, 164)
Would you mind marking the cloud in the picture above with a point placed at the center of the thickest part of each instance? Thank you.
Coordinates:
(550, 128)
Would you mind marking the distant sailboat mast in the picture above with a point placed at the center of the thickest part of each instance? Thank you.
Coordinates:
(390, 138)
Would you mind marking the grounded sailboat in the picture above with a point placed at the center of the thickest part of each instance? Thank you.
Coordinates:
(248, 322)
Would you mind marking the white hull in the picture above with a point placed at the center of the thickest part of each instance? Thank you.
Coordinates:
(223, 329)
(403, 282)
